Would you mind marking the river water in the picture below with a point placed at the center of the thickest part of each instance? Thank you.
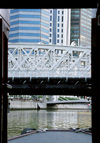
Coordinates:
(51, 119)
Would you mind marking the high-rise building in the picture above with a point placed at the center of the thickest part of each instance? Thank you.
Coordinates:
(59, 26)
(51, 26)
(29, 25)
(81, 26)
(48, 26)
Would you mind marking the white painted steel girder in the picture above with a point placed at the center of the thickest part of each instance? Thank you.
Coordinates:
(38, 60)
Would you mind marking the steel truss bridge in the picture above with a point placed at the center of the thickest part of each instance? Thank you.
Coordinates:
(27, 60)
(39, 67)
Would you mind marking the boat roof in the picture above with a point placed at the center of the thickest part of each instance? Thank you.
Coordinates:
(53, 137)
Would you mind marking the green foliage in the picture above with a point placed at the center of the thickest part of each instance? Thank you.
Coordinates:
(61, 98)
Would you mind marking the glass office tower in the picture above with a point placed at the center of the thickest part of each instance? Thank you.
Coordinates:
(29, 25)
(81, 26)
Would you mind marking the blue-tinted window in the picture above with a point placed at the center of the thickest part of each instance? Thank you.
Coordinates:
(58, 12)
(57, 41)
(61, 41)
(50, 18)
(58, 18)
(57, 30)
(50, 24)
(50, 11)
(57, 35)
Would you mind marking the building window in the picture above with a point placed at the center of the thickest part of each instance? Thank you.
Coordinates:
(62, 12)
(61, 30)
(58, 18)
(58, 24)
(57, 41)
(57, 30)
(57, 35)
(62, 25)
(61, 35)
(61, 51)
(61, 41)
(50, 24)
(50, 40)
(57, 51)
(75, 16)
(62, 19)
(50, 18)
(58, 12)
(50, 30)
(50, 11)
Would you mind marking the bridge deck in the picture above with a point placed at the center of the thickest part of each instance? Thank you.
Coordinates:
(51, 86)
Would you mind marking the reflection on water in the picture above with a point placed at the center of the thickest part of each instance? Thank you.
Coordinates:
(51, 119)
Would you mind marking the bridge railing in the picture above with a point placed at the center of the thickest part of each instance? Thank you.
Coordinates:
(35, 60)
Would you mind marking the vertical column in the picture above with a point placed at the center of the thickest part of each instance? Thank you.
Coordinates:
(96, 74)
(4, 87)
(3, 81)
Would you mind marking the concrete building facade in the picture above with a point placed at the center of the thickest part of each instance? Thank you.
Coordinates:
(59, 26)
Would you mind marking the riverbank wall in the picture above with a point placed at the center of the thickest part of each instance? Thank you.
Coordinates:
(25, 104)
(31, 105)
